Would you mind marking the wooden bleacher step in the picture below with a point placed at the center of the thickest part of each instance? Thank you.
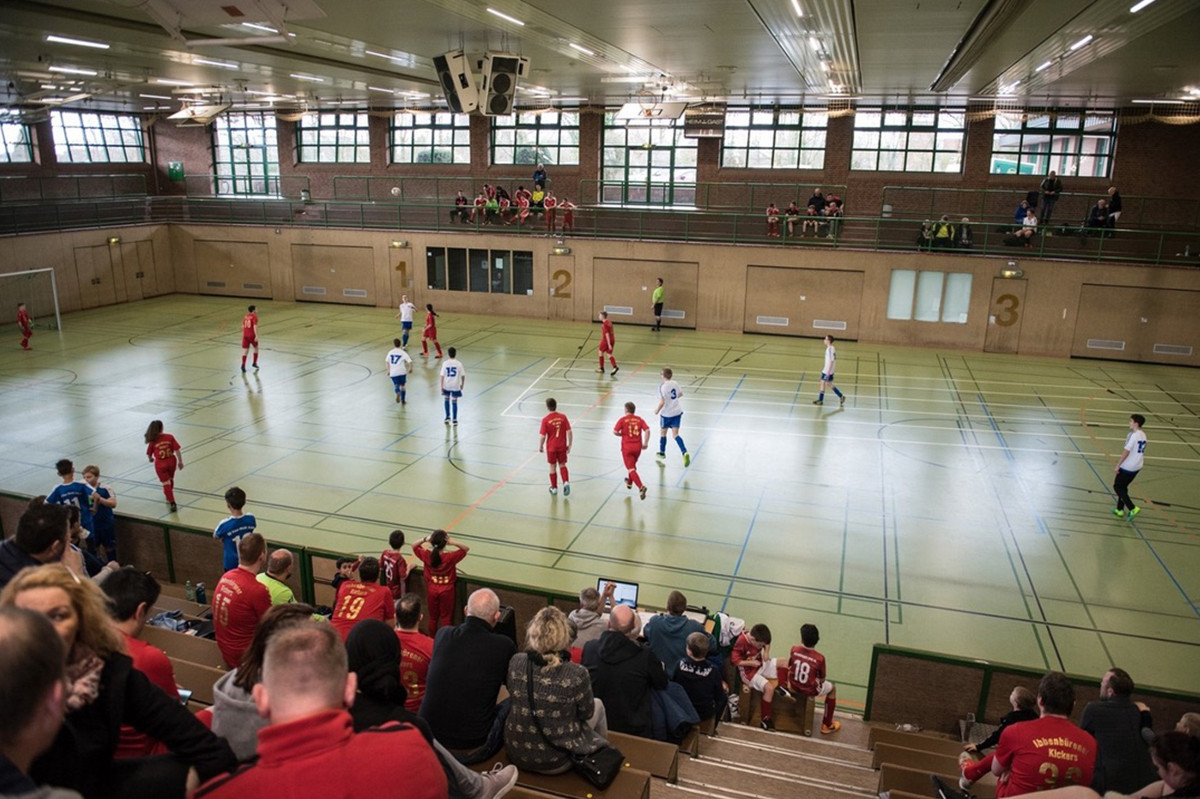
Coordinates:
(631, 783)
(659, 758)
(934, 762)
(201, 651)
(911, 780)
(913, 740)
(197, 679)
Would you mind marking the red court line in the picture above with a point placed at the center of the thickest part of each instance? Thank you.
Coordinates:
(517, 469)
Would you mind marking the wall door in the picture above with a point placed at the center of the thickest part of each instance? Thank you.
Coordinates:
(233, 268)
(803, 302)
(137, 266)
(94, 271)
(1005, 312)
(326, 273)
(1138, 324)
(562, 287)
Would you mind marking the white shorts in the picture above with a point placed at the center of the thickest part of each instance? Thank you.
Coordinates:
(824, 688)
(768, 672)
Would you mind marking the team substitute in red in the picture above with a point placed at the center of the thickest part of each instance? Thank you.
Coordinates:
(26, 325)
(250, 336)
(556, 443)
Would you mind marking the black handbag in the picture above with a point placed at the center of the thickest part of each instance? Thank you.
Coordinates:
(599, 768)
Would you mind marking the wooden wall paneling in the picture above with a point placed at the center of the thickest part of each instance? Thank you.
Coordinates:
(625, 286)
(94, 269)
(563, 287)
(336, 274)
(232, 268)
(1130, 323)
(803, 302)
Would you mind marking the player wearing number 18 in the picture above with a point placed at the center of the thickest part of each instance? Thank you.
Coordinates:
(363, 598)
(806, 675)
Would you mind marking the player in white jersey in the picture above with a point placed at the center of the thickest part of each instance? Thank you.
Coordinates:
(454, 378)
(398, 366)
(827, 374)
(670, 412)
(406, 319)
(1132, 460)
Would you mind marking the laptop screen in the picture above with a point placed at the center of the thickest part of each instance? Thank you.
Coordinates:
(623, 593)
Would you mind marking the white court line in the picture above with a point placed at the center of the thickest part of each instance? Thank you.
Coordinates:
(530, 388)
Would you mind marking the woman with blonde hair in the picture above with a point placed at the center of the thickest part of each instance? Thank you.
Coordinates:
(561, 718)
(104, 691)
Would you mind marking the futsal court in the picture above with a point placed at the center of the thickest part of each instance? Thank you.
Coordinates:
(958, 502)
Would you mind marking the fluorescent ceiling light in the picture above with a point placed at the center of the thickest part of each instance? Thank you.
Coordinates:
(153, 97)
(49, 87)
(581, 49)
(397, 59)
(1044, 66)
(269, 94)
(77, 42)
(258, 27)
(173, 82)
(381, 89)
(73, 70)
(1138, 7)
(208, 62)
(626, 78)
(310, 78)
(505, 17)
(814, 43)
(1158, 102)
(154, 108)
(1081, 42)
(796, 5)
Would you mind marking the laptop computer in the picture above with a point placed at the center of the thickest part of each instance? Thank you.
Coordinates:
(623, 593)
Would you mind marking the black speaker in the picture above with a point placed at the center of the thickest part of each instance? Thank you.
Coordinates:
(507, 625)
(499, 87)
(458, 85)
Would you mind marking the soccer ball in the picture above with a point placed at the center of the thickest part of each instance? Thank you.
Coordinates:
(395, 191)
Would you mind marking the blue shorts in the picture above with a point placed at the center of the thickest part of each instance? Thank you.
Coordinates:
(451, 394)
(666, 422)
(406, 325)
(828, 378)
(399, 380)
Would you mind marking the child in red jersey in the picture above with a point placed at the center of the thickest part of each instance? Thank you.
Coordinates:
(772, 221)
(806, 675)
(568, 209)
(635, 437)
(556, 443)
(165, 453)
(550, 203)
(362, 599)
(441, 574)
(752, 657)
(26, 325)
(607, 340)
(250, 336)
(393, 565)
(430, 332)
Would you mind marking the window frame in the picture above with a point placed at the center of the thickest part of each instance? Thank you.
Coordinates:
(1052, 125)
(15, 134)
(241, 174)
(476, 270)
(438, 126)
(78, 142)
(614, 177)
(911, 291)
(888, 128)
(318, 126)
(778, 153)
(526, 124)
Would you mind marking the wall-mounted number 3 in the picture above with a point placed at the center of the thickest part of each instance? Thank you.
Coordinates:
(1007, 304)
(562, 282)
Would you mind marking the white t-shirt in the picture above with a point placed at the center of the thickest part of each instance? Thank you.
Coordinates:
(1029, 221)
(1135, 445)
(452, 375)
(830, 360)
(398, 362)
(670, 392)
(406, 311)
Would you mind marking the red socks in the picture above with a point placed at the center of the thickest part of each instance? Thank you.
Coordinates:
(830, 704)
(637, 480)
(767, 712)
(553, 479)
(169, 492)
(563, 471)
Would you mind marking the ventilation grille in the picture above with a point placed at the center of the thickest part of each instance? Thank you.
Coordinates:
(1103, 344)
(215, 284)
(774, 321)
(253, 286)
(828, 324)
(619, 310)
(670, 313)
(361, 293)
(1172, 349)
(313, 291)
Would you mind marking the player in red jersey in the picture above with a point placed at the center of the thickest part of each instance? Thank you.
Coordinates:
(250, 336)
(607, 340)
(480, 204)
(1050, 752)
(635, 437)
(165, 453)
(806, 675)
(441, 575)
(751, 656)
(393, 565)
(551, 206)
(416, 650)
(568, 209)
(772, 221)
(556, 443)
(522, 206)
(430, 332)
(240, 600)
(361, 599)
(25, 323)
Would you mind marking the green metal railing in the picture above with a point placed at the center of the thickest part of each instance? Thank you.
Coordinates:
(293, 187)
(63, 188)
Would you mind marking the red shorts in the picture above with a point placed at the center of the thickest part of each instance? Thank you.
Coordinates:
(556, 455)
(606, 347)
(165, 470)
(429, 332)
(247, 343)
(631, 458)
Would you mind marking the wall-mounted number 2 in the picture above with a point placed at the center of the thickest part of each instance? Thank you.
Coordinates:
(1007, 305)
(562, 282)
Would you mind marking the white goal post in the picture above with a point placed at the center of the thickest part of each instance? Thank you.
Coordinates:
(38, 290)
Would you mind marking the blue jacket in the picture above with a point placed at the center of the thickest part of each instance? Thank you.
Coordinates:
(668, 638)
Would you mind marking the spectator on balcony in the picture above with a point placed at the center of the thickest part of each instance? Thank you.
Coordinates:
(925, 237)
(1051, 187)
(502, 193)
(537, 198)
(568, 209)
(964, 239)
(551, 205)
(1019, 214)
(489, 191)
(772, 221)
(491, 208)
(1028, 228)
(791, 215)
(506, 209)
(833, 216)
(1114, 206)
(522, 206)
(540, 178)
(812, 219)
(1098, 216)
(817, 200)
(478, 211)
(943, 233)
(461, 210)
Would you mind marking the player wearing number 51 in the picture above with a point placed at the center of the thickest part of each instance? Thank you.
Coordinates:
(454, 380)
(1132, 460)
(363, 598)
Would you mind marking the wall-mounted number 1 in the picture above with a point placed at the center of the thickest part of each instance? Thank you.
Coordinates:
(562, 282)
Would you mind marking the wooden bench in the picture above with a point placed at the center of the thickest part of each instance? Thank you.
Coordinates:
(795, 714)
(690, 745)
(630, 783)
(934, 762)
(917, 781)
(659, 758)
(197, 679)
(191, 609)
(913, 740)
(200, 651)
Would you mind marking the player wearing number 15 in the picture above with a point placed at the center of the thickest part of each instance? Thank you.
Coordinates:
(556, 443)
(250, 336)
(240, 600)
(1132, 460)
(454, 380)
(399, 364)
(1050, 752)
(363, 598)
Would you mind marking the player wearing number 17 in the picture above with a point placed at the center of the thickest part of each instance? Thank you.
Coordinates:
(399, 364)
(635, 437)
(363, 598)
(1132, 460)
(556, 443)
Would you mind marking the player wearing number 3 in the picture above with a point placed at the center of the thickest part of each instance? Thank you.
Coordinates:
(454, 378)
(399, 364)
(670, 413)
(1132, 460)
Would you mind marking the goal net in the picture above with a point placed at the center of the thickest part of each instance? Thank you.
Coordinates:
(37, 289)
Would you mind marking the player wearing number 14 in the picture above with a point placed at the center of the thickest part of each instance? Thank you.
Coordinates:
(399, 364)
(363, 598)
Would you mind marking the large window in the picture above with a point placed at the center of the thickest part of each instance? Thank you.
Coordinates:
(888, 140)
(549, 137)
(774, 138)
(246, 153)
(431, 138)
(929, 296)
(334, 138)
(651, 164)
(485, 271)
(17, 147)
(1072, 143)
(90, 138)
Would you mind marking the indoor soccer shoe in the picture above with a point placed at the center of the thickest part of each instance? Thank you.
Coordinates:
(615, 370)
(818, 402)
(842, 401)
(687, 459)
(628, 484)
(767, 724)
(1120, 514)
(600, 370)
(642, 492)
(566, 489)
(826, 729)
(553, 490)
(1134, 511)
(660, 454)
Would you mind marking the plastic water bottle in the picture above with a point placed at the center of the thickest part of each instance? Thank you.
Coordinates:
(189, 591)
(201, 594)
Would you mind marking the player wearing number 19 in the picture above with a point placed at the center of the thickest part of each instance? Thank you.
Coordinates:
(1132, 460)
(556, 443)
(399, 364)
(363, 598)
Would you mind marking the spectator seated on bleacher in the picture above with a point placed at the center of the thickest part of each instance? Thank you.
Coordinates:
(833, 217)
(274, 579)
(806, 675)
(1121, 728)
(791, 215)
(103, 691)
(469, 665)
(1023, 209)
(589, 620)
(668, 633)
(373, 654)
(561, 718)
(41, 537)
(812, 219)
(310, 747)
(1097, 220)
(943, 233)
(701, 679)
(623, 673)
(234, 716)
(925, 236)
(1024, 236)
(817, 200)
(1023, 764)
(772, 221)
(363, 598)
(240, 600)
(757, 669)
(1024, 708)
